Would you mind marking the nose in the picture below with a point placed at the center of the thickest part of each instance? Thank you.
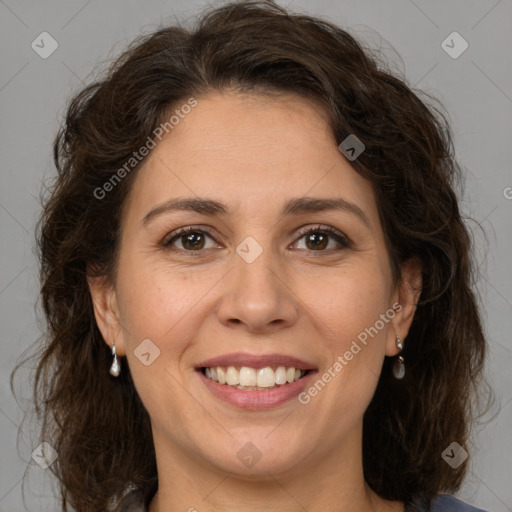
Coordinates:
(258, 297)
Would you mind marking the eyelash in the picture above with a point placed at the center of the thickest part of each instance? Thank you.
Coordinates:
(338, 236)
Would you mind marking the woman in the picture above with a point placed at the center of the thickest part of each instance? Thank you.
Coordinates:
(257, 280)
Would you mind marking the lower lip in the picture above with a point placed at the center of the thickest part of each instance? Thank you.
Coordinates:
(257, 400)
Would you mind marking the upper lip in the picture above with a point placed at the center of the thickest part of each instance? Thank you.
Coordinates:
(257, 361)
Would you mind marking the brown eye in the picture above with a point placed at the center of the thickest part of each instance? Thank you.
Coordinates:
(190, 240)
(317, 239)
(193, 241)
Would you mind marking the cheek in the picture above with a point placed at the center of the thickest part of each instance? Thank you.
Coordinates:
(350, 316)
(155, 299)
(347, 312)
(350, 302)
(158, 307)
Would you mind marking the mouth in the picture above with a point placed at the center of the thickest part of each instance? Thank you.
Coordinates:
(255, 382)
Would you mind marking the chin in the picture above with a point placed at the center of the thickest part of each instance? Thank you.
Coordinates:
(259, 457)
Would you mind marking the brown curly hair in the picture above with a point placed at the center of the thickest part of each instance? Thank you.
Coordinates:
(98, 425)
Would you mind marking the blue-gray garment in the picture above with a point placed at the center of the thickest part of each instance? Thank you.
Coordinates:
(441, 503)
(445, 503)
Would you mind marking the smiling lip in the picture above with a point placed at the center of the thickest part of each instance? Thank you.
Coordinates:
(256, 361)
(257, 400)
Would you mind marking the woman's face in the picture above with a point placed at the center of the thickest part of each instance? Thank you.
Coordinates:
(249, 288)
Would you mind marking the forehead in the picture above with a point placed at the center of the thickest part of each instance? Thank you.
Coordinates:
(249, 150)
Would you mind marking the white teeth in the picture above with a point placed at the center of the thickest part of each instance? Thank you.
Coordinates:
(266, 378)
(280, 375)
(232, 376)
(221, 375)
(247, 376)
(252, 378)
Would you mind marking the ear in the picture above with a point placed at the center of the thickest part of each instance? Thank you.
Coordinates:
(405, 299)
(106, 312)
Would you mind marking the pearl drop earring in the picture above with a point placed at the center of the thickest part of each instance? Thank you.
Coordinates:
(399, 366)
(115, 369)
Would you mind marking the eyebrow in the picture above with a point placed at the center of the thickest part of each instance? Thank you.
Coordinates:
(296, 206)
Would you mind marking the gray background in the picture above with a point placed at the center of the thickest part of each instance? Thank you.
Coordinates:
(476, 89)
